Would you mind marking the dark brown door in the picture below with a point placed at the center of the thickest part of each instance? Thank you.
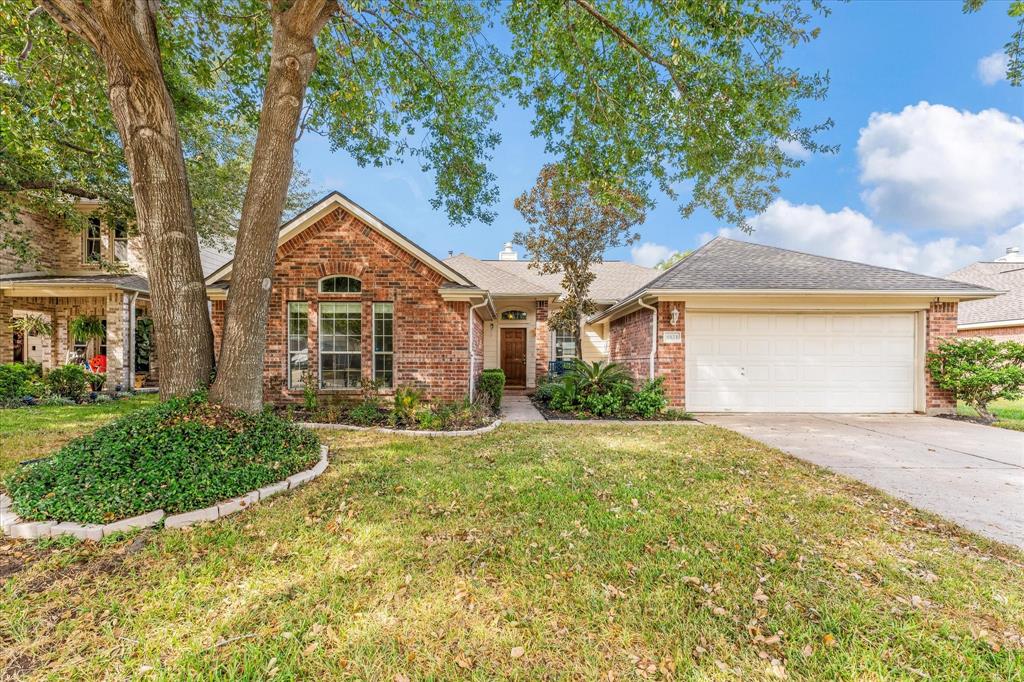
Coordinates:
(513, 356)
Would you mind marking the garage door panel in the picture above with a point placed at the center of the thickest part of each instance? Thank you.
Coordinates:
(788, 362)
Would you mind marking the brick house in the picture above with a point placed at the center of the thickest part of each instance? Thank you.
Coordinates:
(1000, 318)
(735, 326)
(96, 272)
(355, 300)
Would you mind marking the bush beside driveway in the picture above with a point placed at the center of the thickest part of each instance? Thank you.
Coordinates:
(534, 552)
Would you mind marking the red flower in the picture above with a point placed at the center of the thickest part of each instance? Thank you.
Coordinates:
(98, 364)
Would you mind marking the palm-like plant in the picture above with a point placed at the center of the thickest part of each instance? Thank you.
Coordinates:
(597, 377)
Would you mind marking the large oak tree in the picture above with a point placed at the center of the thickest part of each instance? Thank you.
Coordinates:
(660, 94)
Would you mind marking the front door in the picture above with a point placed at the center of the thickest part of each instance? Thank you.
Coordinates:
(513, 356)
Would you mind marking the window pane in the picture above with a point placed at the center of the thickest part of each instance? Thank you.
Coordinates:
(383, 343)
(298, 342)
(513, 315)
(340, 344)
(93, 240)
(340, 285)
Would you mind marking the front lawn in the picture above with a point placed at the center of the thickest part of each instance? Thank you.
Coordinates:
(1009, 413)
(31, 432)
(535, 552)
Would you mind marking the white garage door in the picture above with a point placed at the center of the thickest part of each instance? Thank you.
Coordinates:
(790, 362)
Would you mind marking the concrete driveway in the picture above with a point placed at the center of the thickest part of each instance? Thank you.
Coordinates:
(969, 473)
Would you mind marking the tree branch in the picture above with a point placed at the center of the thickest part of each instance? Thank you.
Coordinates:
(628, 41)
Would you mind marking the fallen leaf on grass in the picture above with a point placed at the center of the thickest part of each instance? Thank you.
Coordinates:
(828, 640)
(807, 651)
(517, 652)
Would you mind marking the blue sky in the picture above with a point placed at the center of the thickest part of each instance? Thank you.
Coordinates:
(929, 176)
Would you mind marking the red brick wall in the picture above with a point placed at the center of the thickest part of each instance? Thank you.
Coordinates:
(941, 325)
(217, 309)
(671, 359)
(1015, 333)
(431, 344)
(629, 342)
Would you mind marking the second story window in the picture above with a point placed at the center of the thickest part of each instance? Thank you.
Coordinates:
(121, 241)
(92, 247)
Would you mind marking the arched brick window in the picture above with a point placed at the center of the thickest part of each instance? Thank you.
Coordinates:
(340, 284)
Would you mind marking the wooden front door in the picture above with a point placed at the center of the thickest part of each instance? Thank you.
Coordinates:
(513, 356)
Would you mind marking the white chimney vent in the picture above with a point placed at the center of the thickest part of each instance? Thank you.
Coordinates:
(508, 253)
(1013, 255)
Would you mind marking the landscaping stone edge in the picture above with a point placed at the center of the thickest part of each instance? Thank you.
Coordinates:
(12, 526)
(404, 432)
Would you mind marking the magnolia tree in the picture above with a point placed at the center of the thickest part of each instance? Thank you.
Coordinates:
(979, 371)
(655, 94)
(572, 224)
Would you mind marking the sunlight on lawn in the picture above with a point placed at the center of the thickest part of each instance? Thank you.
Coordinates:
(535, 552)
(31, 432)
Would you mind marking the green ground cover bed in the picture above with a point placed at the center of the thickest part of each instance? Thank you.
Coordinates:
(536, 552)
(179, 455)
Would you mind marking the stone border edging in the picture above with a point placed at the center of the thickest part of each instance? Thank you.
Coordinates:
(402, 432)
(14, 527)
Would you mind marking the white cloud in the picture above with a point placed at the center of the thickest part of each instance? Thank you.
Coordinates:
(851, 235)
(794, 148)
(650, 254)
(992, 68)
(933, 166)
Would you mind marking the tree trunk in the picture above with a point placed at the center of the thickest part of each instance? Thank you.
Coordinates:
(124, 36)
(239, 382)
(982, 410)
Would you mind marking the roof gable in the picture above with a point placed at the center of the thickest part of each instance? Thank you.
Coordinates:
(336, 200)
(1001, 276)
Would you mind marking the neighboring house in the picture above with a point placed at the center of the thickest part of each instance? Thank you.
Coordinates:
(1000, 318)
(735, 326)
(72, 274)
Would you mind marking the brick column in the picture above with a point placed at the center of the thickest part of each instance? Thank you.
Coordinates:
(542, 342)
(117, 314)
(941, 325)
(217, 309)
(7, 338)
(670, 361)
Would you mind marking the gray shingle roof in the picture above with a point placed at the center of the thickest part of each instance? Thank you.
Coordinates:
(1008, 277)
(730, 264)
(614, 279)
(125, 282)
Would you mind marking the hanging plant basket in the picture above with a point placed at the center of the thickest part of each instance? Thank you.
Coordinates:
(86, 327)
(32, 325)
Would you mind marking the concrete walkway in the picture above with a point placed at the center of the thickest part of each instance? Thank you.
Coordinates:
(968, 473)
(518, 408)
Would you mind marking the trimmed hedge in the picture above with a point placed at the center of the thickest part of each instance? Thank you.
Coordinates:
(180, 455)
(492, 384)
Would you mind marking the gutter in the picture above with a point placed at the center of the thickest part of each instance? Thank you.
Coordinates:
(472, 356)
(654, 334)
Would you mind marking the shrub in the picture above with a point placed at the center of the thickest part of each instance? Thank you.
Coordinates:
(979, 371)
(366, 413)
(407, 402)
(96, 381)
(649, 400)
(492, 384)
(597, 377)
(177, 456)
(546, 390)
(16, 382)
(428, 420)
(465, 414)
(309, 397)
(68, 382)
(602, 404)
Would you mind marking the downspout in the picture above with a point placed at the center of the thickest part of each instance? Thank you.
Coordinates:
(472, 355)
(654, 333)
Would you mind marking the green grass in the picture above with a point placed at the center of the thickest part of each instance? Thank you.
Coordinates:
(30, 432)
(1009, 413)
(537, 552)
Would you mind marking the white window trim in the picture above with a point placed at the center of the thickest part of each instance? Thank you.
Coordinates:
(392, 351)
(320, 345)
(295, 383)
